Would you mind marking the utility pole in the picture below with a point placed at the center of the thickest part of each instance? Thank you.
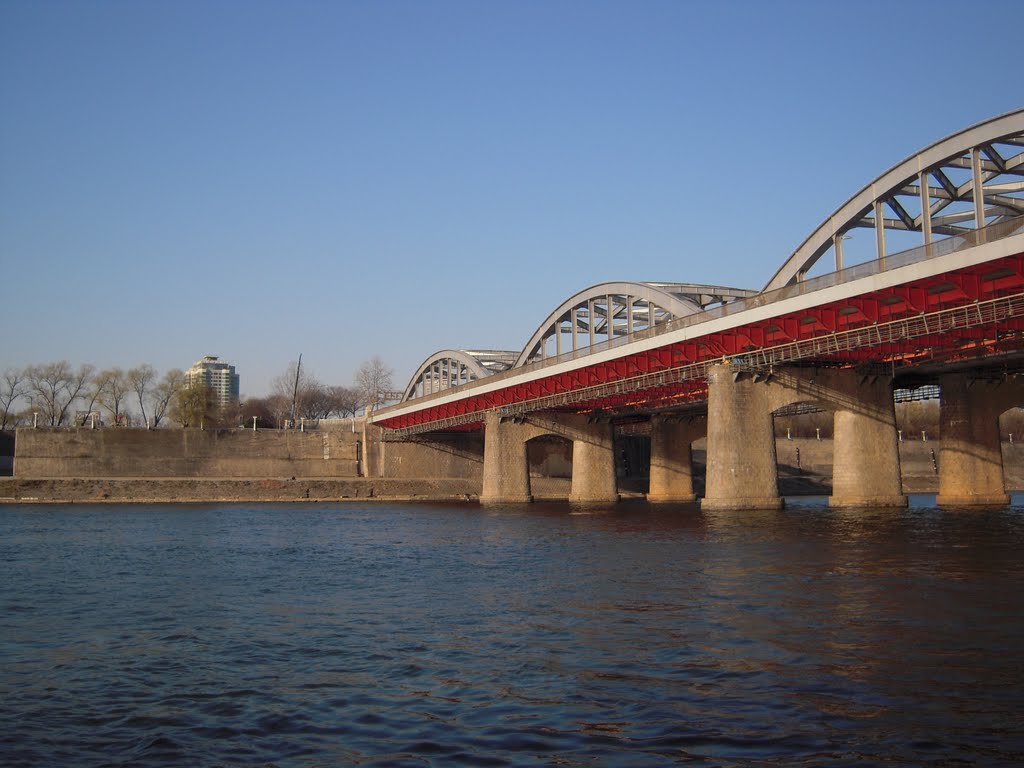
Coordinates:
(295, 390)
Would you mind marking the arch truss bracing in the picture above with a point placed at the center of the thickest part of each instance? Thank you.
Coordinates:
(452, 367)
(608, 311)
(964, 182)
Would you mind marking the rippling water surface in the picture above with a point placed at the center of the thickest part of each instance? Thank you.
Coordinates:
(414, 635)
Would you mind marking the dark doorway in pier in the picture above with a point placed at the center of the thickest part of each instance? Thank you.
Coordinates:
(633, 459)
(6, 453)
(633, 462)
(803, 449)
(550, 462)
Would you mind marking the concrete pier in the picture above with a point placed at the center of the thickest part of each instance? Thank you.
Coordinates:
(971, 460)
(742, 470)
(671, 476)
(866, 459)
(506, 475)
(741, 464)
(506, 467)
(593, 463)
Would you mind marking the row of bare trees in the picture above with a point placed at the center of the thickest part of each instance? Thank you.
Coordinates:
(58, 394)
(297, 394)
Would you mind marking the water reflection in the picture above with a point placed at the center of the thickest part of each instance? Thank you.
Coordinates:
(439, 635)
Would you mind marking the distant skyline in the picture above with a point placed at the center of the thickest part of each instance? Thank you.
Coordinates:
(256, 180)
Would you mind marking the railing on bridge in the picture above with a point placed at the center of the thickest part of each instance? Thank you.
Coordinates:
(756, 362)
(989, 234)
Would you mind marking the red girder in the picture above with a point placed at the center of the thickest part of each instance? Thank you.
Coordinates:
(867, 306)
(905, 301)
(969, 284)
(756, 334)
(1016, 265)
(827, 317)
(917, 298)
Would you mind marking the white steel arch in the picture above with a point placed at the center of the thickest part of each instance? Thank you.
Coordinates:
(451, 367)
(609, 310)
(963, 182)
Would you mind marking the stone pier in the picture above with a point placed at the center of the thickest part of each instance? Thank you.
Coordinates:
(866, 455)
(671, 476)
(741, 463)
(742, 470)
(971, 459)
(506, 465)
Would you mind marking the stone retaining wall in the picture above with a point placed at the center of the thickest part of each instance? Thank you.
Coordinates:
(194, 453)
(214, 465)
(81, 490)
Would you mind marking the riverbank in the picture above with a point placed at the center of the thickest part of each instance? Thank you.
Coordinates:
(805, 469)
(176, 490)
(149, 490)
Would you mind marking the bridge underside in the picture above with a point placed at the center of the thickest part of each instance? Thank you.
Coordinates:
(970, 316)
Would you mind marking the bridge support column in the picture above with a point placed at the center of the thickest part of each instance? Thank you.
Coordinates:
(866, 458)
(506, 467)
(672, 458)
(593, 463)
(742, 471)
(971, 459)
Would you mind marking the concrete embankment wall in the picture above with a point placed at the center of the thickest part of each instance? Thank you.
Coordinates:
(197, 490)
(193, 453)
(197, 465)
(454, 455)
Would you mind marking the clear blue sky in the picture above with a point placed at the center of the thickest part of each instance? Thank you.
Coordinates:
(344, 179)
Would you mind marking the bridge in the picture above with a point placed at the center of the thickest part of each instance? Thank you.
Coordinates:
(697, 360)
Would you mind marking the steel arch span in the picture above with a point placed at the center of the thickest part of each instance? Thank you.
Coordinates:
(452, 367)
(606, 311)
(964, 182)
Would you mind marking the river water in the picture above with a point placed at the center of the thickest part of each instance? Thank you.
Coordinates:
(546, 634)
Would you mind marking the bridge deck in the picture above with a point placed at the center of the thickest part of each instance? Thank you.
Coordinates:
(955, 298)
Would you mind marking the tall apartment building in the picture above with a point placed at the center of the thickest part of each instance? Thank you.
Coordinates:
(218, 376)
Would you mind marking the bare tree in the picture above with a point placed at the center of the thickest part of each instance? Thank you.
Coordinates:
(78, 384)
(13, 386)
(139, 379)
(315, 402)
(194, 406)
(284, 383)
(313, 399)
(344, 400)
(280, 408)
(22, 418)
(113, 388)
(372, 380)
(266, 411)
(93, 394)
(165, 392)
(48, 385)
(305, 391)
(53, 387)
